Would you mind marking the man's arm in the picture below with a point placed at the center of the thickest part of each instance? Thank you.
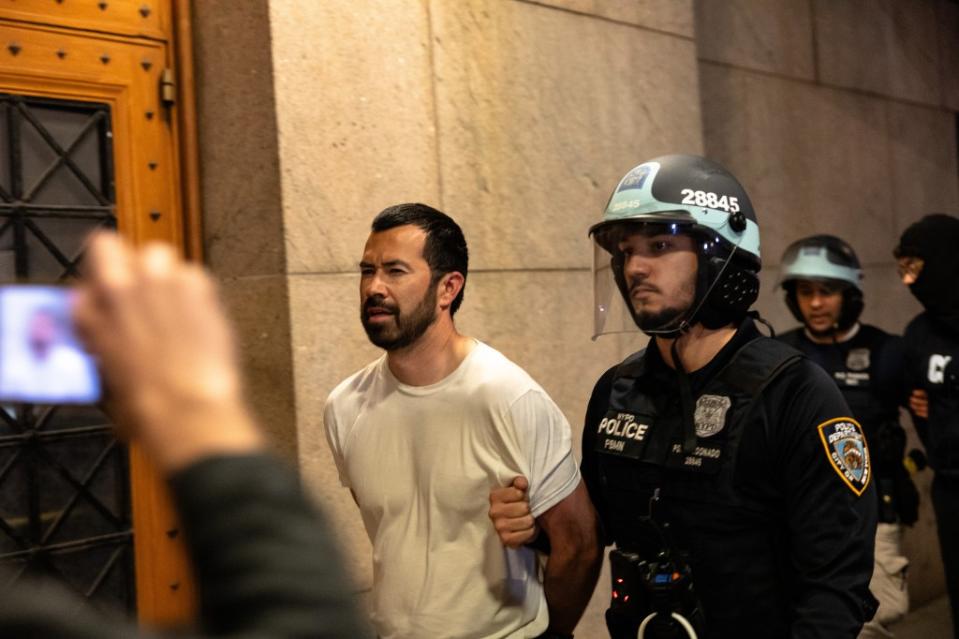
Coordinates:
(574, 561)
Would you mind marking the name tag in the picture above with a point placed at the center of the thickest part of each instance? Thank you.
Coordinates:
(622, 434)
(704, 459)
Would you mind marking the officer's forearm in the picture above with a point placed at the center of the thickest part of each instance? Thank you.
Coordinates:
(571, 574)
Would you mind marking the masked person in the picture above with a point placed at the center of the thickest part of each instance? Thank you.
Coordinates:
(724, 465)
(422, 433)
(822, 278)
(928, 256)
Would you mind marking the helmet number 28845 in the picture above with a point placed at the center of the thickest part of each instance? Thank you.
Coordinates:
(711, 200)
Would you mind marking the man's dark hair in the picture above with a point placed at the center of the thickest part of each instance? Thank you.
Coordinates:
(445, 248)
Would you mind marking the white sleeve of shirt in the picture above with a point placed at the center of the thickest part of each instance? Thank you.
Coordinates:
(333, 439)
(546, 443)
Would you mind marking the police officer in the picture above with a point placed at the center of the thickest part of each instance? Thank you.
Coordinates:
(822, 278)
(724, 465)
(928, 255)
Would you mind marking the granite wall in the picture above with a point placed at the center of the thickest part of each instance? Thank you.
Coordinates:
(839, 117)
(517, 117)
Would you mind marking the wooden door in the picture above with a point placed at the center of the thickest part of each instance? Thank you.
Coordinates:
(89, 136)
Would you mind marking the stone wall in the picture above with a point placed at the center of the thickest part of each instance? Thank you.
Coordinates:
(838, 117)
(517, 117)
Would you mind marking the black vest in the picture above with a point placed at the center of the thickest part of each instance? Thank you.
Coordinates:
(731, 534)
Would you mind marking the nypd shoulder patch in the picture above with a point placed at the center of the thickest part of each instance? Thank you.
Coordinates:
(847, 451)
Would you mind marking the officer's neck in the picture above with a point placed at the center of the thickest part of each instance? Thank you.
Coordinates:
(696, 347)
(832, 337)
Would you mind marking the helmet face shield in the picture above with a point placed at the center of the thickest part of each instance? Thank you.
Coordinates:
(612, 312)
(695, 197)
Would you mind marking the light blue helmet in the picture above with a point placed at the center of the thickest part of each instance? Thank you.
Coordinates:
(690, 195)
(827, 259)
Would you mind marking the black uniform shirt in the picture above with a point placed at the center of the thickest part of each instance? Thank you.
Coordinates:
(933, 365)
(867, 369)
(803, 541)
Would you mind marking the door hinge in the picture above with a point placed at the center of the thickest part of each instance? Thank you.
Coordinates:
(168, 88)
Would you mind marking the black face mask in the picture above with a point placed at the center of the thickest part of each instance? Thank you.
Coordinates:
(935, 239)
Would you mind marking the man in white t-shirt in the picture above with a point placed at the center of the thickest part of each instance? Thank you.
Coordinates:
(423, 433)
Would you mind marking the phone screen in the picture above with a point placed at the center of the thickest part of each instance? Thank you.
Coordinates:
(41, 360)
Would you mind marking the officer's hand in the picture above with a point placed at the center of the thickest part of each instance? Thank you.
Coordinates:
(509, 512)
(919, 403)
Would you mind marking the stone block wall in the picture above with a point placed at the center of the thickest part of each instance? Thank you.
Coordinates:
(838, 117)
(517, 117)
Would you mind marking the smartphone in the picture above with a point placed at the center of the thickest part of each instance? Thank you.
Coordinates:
(41, 359)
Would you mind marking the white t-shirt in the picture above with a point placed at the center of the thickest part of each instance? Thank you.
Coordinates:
(421, 461)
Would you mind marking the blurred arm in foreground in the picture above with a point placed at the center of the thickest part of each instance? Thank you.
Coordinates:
(265, 563)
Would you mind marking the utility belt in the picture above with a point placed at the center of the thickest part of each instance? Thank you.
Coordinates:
(653, 599)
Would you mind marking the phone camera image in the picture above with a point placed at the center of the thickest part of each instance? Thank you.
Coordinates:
(41, 359)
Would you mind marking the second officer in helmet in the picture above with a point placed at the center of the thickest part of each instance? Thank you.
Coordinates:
(725, 466)
(822, 278)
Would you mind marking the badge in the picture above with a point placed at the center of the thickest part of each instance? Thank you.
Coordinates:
(858, 359)
(710, 415)
(847, 452)
(622, 434)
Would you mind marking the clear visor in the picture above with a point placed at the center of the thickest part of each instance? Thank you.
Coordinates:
(611, 315)
(611, 312)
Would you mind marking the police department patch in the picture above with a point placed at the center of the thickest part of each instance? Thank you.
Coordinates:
(847, 451)
(710, 415)
(635, 178)
(858, 359)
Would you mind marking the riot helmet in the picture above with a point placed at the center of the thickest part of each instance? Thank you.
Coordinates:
(679, 194)
(829, 260)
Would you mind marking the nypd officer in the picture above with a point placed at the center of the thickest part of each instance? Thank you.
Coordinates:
(726, 469)
(929, 265)
(822, 278)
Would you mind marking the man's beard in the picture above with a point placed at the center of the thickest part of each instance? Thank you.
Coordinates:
(665, 319)
(668, 318)
(405, 328)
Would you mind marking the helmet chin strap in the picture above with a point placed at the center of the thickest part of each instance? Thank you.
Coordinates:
(686, 405)
(685, 321)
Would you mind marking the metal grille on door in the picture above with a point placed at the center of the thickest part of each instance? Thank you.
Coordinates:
(64, 479)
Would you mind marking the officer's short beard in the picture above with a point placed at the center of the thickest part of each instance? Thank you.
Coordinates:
(670, 317)
(406, 327)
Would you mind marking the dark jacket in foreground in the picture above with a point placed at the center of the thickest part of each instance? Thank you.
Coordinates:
(266, 566)
(780, 542)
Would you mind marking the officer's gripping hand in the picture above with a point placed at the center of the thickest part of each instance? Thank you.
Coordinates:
(919, 403)
(509, 512)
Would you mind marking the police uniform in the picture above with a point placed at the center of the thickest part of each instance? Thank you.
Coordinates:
(774, 510)
(867, 367)
(932, 352)
(933, 365)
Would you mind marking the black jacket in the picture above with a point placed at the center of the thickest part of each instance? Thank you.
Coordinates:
(932, 364)
(868, 369)
(265, 564)
(780, 544)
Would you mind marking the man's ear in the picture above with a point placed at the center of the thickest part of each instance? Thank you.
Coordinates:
(448, 288)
